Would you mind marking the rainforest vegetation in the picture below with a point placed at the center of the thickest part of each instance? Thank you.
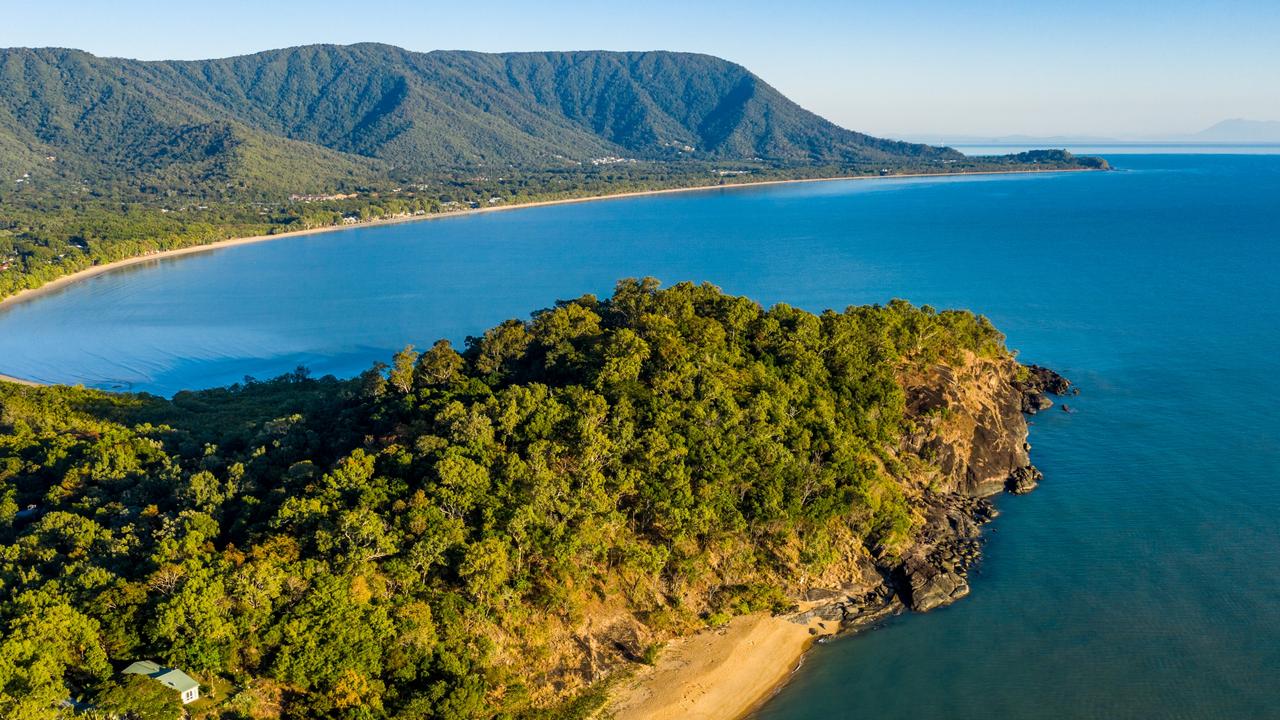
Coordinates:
(103, 159)
(415, 542)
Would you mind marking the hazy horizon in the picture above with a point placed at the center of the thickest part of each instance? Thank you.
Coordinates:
(923, 69)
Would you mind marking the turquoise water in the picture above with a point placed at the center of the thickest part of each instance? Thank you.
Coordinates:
(1142, 580)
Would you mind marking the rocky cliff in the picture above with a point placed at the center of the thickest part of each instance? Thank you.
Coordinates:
(969, 443)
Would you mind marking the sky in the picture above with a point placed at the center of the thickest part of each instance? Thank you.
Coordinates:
(1121, 68)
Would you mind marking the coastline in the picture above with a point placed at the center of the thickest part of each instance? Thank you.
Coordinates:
(730, 672)
(19, 381)
(54, 285)
(719, 674)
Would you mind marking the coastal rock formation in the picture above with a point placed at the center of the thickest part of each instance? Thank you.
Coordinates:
(970, 424)
(1036, 383)
(1024, 480)
(971, 439)
(1033, 402)
(1042, 379)
(930, 586)
(968, 442)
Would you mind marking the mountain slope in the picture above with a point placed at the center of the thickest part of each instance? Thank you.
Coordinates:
(1239, 130)
(105, 123)
(418, 112)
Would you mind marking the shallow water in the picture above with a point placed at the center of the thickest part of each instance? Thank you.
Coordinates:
(1141, 580)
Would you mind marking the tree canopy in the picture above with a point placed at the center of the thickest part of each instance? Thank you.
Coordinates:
(431, 539)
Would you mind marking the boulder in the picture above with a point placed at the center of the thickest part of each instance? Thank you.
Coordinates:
(1034, 401)
(929, 587)
(1042, 379)
(1024, 480)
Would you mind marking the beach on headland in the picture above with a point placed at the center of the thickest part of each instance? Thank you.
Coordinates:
(53, 285)
(719, 674)
(18, 381)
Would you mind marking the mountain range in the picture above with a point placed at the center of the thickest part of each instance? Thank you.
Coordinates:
(320, 116)
(1239, 130)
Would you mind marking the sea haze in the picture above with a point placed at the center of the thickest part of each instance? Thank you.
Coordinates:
(1138, 581)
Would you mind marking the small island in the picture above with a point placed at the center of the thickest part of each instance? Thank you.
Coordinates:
(531, 526)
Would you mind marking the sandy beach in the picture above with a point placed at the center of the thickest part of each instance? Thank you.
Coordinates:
(720, 674)
(27, 295)
(18, 381)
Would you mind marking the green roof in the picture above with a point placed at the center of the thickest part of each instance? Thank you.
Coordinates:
(169, 677)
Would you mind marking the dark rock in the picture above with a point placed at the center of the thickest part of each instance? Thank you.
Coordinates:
(833, 611)
(815, 594)
(1024, 480)
(997, 450)
(1038, 382)
(852, 612)
(1034, 401)
(868, 616)
(1045, 380)
(929, 587)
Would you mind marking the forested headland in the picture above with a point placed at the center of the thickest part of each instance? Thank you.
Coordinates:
(489, 531)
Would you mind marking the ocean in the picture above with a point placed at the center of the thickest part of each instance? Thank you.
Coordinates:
(1142, 580)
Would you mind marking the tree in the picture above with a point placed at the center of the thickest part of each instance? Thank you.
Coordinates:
(138, 697)
(398, 545)
(438, 366)
(402, 368)
(485, 567)
(44, 641)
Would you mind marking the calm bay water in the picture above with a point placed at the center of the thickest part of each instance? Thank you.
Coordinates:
(1141, 580)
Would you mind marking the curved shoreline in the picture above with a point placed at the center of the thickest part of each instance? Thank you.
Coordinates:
(26, 295)
(726, 673)
(19, 381)
(30, 294)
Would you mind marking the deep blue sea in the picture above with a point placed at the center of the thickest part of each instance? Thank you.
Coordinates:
(1142, 580)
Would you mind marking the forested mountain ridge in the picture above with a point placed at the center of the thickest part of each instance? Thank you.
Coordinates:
(495, 532)
(103, 159)
(423, 111)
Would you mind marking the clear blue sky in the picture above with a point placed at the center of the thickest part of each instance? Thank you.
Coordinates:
(1122, 67)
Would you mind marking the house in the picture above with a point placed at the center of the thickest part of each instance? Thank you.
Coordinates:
(173, 679)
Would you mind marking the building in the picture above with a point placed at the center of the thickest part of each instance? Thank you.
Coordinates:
(173, 679)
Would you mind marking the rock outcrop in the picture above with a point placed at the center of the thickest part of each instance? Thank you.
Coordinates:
(971, 436)
(970, 423)
(1037, 383)
(1024, 480)
(967, 442)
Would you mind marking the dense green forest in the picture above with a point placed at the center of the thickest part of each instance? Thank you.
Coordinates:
(427, 540)
(103, 158)
(364, 108)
